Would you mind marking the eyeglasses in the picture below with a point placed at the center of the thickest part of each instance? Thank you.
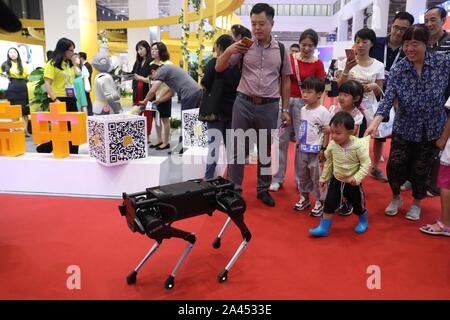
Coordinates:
(400, 28)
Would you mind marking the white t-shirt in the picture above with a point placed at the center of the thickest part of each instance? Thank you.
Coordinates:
(310, 131)
(368, 74)
(445, 157)
(355, 113)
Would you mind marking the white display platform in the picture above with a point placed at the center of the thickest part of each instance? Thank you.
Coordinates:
(79, 175)
(194, 163)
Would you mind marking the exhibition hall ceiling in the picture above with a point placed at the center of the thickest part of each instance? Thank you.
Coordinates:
(120, 7)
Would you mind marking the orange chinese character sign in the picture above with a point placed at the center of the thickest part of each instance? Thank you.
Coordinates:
(53, 126)
(12, 136)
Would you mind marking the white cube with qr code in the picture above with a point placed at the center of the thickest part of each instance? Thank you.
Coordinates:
(194, 130)
(117, 139)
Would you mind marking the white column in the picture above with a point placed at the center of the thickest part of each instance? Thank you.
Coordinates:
(342, 30)
(141, 9)
(175, 10)
(380, 17)
(61, 20)
(416, 7)
(358, 22)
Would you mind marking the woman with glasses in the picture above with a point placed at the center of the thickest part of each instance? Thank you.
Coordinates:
(419, 84)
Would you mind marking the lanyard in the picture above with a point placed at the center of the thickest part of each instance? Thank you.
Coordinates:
(396, 58)
(297, 72)
(69, 74)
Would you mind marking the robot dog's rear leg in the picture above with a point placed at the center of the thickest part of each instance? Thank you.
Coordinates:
(216, 243)
(131, 279)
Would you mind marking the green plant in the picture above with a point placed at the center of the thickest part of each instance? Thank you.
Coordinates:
(124, 93)
(193, 67)
(175, 123)
(40, 94)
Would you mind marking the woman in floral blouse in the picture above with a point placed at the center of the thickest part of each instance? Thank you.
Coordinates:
(419, 83)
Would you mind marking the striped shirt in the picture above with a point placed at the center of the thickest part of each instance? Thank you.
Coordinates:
(351, 161)
(443, 45)
(261, 69)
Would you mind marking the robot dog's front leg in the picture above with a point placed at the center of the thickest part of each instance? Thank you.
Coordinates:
(159, 234)
(190, 238)
(233, 204)
(223, 276)
(238, 219)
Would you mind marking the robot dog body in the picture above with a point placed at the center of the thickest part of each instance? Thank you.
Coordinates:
(153, 212)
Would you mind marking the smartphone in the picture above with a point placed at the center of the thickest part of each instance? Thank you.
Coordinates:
(247, 42)
(350, 53)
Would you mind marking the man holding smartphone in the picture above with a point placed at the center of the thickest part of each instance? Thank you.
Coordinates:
(257, 103)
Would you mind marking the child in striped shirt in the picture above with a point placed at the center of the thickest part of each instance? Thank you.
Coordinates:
(347, 164)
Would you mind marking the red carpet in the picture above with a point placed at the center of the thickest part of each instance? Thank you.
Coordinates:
(41, 236)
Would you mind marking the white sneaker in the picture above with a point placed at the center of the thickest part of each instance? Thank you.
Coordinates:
(406, 186)
(302, 204)
(392, 208)
(413, 213)
(274, 187)
(318, 209)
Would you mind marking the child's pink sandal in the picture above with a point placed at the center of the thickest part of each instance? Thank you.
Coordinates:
(443, 230)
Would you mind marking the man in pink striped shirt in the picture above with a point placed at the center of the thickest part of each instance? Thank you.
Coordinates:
(257, 105)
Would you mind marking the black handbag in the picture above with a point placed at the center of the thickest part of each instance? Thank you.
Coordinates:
(210, 105)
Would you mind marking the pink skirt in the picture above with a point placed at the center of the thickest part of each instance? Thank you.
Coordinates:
(444, 177)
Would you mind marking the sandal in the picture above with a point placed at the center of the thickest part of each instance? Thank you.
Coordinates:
(431, 229)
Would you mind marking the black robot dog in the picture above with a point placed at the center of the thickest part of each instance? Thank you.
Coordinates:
(153, 212)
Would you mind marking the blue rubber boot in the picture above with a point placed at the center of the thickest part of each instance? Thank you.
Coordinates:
(323, 229)
(363, 223)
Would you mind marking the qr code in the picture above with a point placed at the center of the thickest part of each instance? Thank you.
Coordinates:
(194, 131)
(97, 145)
(127, 141)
